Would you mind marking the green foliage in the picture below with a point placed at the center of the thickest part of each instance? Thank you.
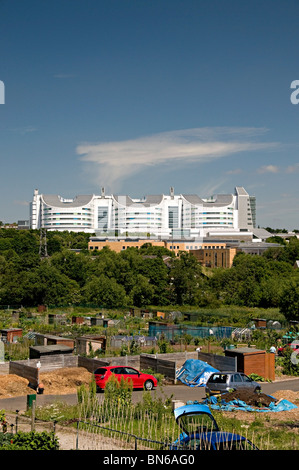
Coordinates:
(289, 300)
(257, 378)
(31, 441)
(163, 345)
(118, 393)
(58, 411)
(87, 398)
(131, 349)
(141, 277)
(289, 367)
(153, 406)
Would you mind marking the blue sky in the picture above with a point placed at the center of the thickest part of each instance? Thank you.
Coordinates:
(140, 95)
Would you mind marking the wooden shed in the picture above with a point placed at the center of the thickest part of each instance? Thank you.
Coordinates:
(36, 352)
(86, 344)
(260, 322)
(254, 361)
(10, 335)
(77, 320)
(96, 321)
(49, 340)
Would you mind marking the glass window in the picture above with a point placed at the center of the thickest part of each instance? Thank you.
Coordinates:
(237, 378)
(100, 371)
(218, 378)
(129, 370)
(245, 378)
(118, 370)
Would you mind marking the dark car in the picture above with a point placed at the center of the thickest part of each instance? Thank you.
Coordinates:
(201, 432)
(134, 376)
(223, 382)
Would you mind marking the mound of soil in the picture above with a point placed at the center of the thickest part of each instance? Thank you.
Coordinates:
(12, 385)
(249, 397)
(57, 382)
(64, 381)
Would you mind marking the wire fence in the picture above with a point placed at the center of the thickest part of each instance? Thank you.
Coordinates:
(83, 435)
(86, 435)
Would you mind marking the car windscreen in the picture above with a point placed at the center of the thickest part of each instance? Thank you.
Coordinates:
(218, 378)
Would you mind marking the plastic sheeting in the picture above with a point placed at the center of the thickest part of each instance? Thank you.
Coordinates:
(195, 373)
(281, 405)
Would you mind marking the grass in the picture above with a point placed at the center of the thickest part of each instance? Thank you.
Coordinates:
(269, 434)
(58, 411)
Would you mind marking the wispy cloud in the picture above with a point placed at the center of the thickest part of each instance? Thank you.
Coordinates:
(268, 169)
(275, 169)
(293, 168)
(24, 130)
(112, 162)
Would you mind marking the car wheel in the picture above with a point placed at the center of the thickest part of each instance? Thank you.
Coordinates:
(257, 390)
(148, 385)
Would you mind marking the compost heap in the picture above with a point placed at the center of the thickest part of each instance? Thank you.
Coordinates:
(58, 382)
(247, 400)
(249, 397)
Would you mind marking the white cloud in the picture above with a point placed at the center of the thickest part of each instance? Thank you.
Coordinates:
(112, 162)
(268, 169)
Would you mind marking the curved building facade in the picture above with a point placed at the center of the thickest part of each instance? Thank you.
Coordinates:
(160, 216)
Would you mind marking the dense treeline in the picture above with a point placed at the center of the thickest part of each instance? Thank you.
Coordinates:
(149, 276)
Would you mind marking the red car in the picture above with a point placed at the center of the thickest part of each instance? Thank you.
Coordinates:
(138, 379)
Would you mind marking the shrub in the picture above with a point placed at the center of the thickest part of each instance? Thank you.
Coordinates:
(31, 441)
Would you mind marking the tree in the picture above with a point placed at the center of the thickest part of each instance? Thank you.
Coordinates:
(142, 293)
(75, 266)
(104, 292)
(46, 285)
(289, 301)
(186, 277)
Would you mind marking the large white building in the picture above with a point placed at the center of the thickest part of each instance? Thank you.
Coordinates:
(162, 216)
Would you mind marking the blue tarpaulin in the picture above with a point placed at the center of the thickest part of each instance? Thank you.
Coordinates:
(195, 373)
(281, 405)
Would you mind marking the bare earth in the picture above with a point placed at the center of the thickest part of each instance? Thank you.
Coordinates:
(59, 382)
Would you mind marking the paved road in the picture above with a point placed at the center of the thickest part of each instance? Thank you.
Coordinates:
(176, 392)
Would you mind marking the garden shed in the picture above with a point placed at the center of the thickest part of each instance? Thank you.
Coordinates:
(10, 335)
(91, 343)
(48, 340)
(35, 352)
(260, 322)
(254, 361)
